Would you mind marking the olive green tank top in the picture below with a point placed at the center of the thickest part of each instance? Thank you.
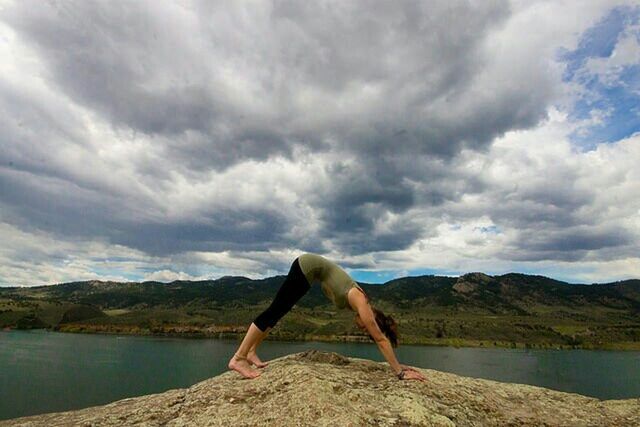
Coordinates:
(335, 282)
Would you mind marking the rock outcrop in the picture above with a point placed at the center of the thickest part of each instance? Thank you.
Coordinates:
(327, 389)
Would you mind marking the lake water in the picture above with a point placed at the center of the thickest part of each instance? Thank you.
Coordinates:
(44, 371)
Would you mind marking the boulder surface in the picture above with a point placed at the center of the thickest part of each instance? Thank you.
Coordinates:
(326, 389)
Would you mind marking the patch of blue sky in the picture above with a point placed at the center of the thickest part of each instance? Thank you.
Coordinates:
(116, 272)
(191, 270)
(572, 275)
(380, 277)
(568, 276)
(432, 272)
(110, 259)
(374, 276)
(619, 106)
(598, 41)
(152, 268)
(491, 229)
(613, 101)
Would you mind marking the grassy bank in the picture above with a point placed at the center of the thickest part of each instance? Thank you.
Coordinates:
(236, 333)
(510, 311)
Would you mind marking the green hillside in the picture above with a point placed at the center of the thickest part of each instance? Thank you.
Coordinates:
(514, 310)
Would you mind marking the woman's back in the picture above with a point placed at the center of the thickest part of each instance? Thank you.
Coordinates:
(335, 282)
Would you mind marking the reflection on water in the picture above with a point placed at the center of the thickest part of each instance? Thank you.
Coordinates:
(49, 371)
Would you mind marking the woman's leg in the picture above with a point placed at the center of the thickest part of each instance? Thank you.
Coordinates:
(239, 361)
(294, 287)
(252, 356)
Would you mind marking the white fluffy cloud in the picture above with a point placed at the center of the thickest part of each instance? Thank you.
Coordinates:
(191, 140)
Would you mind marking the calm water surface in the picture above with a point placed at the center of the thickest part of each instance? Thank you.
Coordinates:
(44, 371)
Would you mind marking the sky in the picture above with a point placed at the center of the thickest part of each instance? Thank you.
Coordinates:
(192, 140)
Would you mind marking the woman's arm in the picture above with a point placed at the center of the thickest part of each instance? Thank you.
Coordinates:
(384, 346)
(365, 312)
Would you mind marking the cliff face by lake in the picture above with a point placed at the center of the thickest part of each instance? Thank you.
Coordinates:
(326, 389)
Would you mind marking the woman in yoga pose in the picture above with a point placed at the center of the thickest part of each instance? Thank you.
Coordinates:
(343, 291)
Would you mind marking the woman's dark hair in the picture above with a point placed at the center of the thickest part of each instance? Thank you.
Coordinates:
(387, 325)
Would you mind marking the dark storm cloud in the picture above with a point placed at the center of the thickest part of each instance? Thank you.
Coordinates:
(227, 230)
(178, 76)
(584, 240)
(56, 206)
(364, 192)
(395, 88)
(551, 204)
(88, 214)
(374, 182)
(568, 244)
(103, 54)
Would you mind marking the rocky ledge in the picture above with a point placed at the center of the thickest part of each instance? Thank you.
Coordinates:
(326, 389)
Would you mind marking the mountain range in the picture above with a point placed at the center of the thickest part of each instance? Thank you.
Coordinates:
(430, 307)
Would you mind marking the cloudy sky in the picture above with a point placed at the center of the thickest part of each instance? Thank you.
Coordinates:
(190, 140)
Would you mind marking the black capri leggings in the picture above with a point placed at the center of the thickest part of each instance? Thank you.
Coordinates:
(293, 288)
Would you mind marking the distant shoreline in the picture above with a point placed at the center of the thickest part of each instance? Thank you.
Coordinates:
(237, 335)
(475, 310)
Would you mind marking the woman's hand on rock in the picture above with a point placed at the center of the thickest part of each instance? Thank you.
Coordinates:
(412, 374)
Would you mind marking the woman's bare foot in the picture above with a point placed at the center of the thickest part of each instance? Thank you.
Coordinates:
(252, 357)
(243, 367)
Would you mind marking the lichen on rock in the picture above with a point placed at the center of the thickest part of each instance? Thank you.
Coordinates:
(322, 357)
(327, 389)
